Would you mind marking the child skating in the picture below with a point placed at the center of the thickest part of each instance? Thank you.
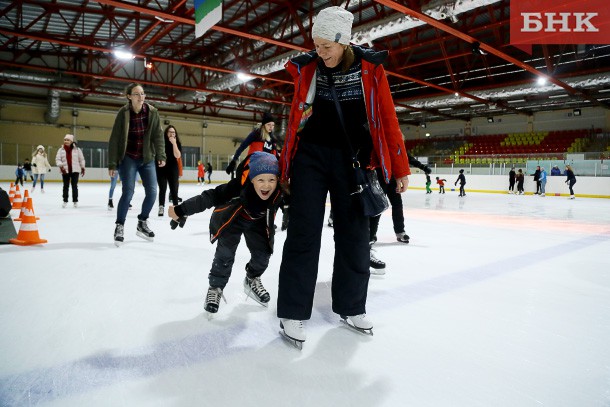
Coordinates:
(462, 180)
(428, 183)
(246, 206)
(441, 185)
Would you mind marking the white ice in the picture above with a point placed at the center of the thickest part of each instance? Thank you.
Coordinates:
(499, 300)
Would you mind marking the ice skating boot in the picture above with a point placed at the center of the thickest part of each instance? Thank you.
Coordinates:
(377, 266)
(253, 287)
(144, 231)
(571, 196)
(212, 300)
(293, 331)
(161, 210)
(118, 235)
(110, 205)
(358, 323)
(402, 237)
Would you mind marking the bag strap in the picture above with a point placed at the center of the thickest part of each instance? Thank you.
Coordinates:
(333, 91)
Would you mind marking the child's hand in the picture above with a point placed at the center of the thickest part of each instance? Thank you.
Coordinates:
(172, 213)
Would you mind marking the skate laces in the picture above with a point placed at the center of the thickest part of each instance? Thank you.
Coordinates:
(143, 226)
(257, 286)
(214, 296)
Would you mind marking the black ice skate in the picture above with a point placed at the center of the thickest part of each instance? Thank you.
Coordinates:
(358, 323)
(118, 235)
(212, 300)
(402, 237)
(377, 266)
(144, 232)
(293, 332)
(110, 205)
(253, 287)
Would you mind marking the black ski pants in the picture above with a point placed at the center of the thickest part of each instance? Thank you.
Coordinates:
(318, 170)
(168, 175)
(70, 179)
(255, 234)
(398, 216)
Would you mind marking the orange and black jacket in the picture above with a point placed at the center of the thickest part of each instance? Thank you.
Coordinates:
(229, 201)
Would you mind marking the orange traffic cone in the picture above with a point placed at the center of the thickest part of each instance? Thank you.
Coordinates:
(17, 200)
(11, 193)
(28, 232)
(26, 198)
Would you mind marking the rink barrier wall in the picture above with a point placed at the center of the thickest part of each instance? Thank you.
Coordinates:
(585, 187)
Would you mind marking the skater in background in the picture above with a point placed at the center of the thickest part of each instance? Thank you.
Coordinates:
(136, 141)
(259, 139)
(171, 171)
(428, 183)
(462, 180)
(27, 167)
(542, 181)
(246, 209)
(71, 163)
(537, 180)
(40, 167)
(208, 170)
(316, 160)
(19, 174)
(511, 180)
(441, 185)
(520, 178)
(113, 180)
(555, 171)
(571, 180)
(200, 173)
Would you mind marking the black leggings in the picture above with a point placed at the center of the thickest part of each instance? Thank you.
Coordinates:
(68, 179)
(572, 182)
(168, 175)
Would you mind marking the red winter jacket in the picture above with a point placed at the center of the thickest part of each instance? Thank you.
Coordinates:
(388, 147)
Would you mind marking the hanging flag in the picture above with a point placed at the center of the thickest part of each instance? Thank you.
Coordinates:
(207, 13)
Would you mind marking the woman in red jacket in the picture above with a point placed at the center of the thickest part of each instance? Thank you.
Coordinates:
(322, 164)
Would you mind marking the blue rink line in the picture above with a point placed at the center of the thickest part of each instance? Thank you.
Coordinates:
(455, 281)
(106, 369)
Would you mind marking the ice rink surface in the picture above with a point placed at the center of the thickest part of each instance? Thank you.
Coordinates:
(499, 300)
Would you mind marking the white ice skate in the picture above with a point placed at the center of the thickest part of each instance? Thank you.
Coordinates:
(293, 332)
(358, 323)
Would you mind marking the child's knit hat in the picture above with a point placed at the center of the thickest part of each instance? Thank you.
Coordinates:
(263, 163)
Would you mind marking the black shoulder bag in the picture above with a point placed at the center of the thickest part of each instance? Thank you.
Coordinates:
(372, 197)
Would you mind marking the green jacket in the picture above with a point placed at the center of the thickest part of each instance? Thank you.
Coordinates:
(154, 142)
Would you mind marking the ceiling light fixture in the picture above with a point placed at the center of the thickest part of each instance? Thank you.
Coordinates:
(490, 120)
(541, 81)
(244, 77)
(124, 55)
(577, 112)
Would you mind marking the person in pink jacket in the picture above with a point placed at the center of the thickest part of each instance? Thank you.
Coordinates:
(71, 162)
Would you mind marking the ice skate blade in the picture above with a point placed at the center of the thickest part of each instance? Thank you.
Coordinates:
(118, 243)
(143, 236)
(355, 328)
(294, 342)
(249, 294)
(377, 272)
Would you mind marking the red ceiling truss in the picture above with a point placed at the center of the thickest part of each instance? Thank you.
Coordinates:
(67, 45)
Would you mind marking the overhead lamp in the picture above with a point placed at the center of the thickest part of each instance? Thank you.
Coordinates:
(490, 120)
(577, 112)
(124, 55)
(541, 81)
(148, 64)
(244, 77)
(423, 125)
(427, 134)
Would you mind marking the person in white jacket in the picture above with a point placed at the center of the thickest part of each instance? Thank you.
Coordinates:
(71, 163)
(40, 167)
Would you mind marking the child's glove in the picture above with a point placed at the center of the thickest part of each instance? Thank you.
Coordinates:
(231, 166)
(175, 223)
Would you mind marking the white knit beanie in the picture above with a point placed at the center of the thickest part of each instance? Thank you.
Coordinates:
(333, 24)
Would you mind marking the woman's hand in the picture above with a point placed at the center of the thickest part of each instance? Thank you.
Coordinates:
(172, 213)
(402, 184)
